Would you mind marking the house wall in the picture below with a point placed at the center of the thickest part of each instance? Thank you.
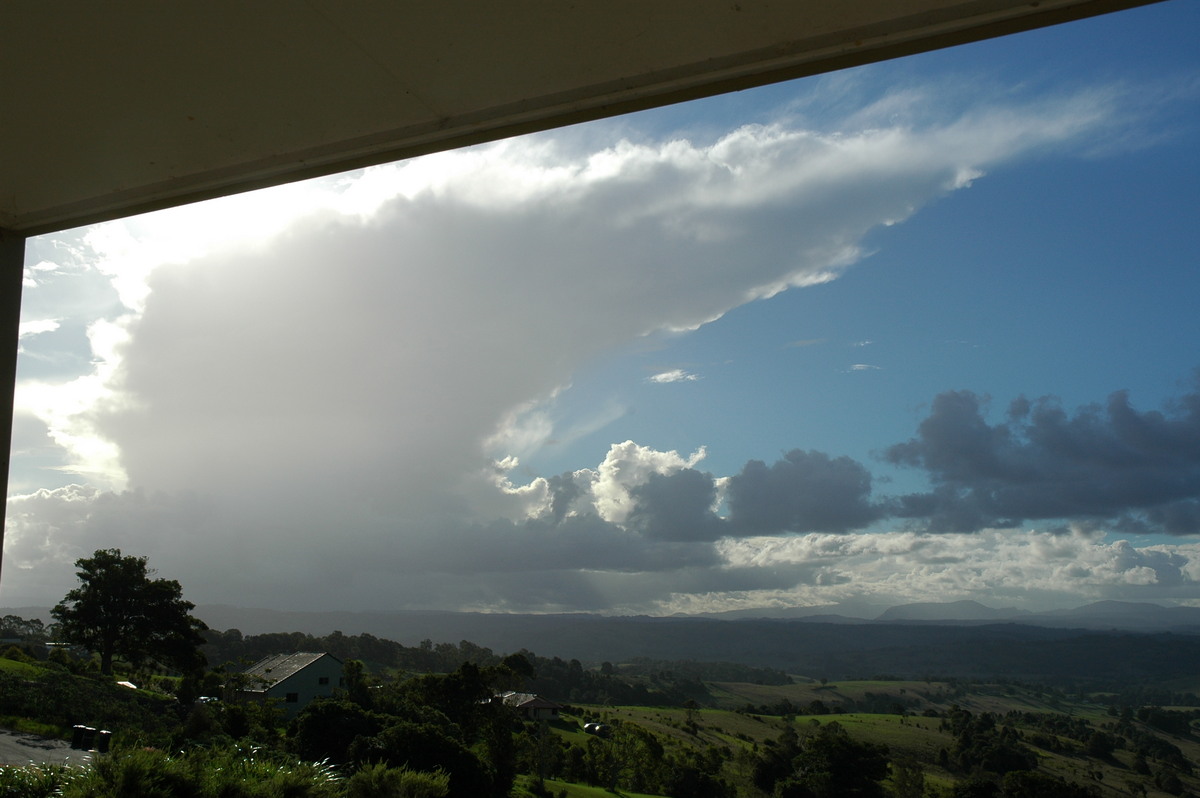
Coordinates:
(317, 680)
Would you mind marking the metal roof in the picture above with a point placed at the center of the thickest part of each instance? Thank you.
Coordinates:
(275, 669)
(111, 109)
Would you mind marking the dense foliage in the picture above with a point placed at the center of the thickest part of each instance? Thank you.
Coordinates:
(29, 630)
(119, 610)
(823, 764)
(55, 697)
(643, 682)
(396, 731)
(202, 773)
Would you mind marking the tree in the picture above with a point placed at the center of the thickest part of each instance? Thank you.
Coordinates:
(119, 610)
(908, 780)
(824, 764)
(29, 630)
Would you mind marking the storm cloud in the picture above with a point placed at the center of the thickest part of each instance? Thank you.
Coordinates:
(333, 408)
(679, 506)
(1103, 461)
(803, 492)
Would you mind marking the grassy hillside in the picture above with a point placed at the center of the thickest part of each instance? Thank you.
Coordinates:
(46, 698)
(1065, 737)
(719, 739)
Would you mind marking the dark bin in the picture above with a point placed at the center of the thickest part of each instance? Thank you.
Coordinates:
(103, 738)
(89, 738)
(77, 736)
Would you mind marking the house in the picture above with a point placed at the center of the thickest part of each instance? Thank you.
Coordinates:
(295, 679)
(532, 707)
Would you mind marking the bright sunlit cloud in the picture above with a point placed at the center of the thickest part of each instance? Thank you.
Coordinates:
(352, 385)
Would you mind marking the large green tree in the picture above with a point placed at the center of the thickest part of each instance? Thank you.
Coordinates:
(119, 610)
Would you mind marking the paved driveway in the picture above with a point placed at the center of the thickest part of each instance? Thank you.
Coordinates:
(19, 748)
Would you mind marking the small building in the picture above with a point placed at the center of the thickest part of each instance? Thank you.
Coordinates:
(294, 679)
(532, 707)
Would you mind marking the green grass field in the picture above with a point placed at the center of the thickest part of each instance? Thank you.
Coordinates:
(913, 736)
(23, 670)
(555, 787)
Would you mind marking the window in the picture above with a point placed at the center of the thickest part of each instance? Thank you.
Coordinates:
(292, 698)
(323, 680)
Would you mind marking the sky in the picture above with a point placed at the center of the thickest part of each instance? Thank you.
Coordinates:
(923, 330)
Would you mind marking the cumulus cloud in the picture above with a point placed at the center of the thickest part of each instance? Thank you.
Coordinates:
(1107, 461)
(679, 506)
(329, 393)
(1000, 567)
(803, 492)
(584, 563)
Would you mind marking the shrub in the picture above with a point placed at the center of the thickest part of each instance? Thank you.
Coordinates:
(34, 781)
(221, 773)
(380, 781)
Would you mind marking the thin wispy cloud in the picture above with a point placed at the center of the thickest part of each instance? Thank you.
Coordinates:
(673, 375)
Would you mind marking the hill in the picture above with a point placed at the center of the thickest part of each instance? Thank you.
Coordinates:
(1083, 647)
(1065, 657)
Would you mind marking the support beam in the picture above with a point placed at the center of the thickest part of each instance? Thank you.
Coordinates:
(12, 269)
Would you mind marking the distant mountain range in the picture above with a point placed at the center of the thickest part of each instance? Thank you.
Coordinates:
(1101, 615)
(1107, 643)
(416, 625)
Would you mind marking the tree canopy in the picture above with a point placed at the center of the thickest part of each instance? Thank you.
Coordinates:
(118, 610)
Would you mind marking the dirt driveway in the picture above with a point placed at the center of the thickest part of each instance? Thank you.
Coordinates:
(19, 748)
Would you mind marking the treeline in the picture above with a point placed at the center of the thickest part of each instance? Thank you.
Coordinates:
(874, 703)
(29, 630)
(993, 752)
(704, 671)
(643, 681)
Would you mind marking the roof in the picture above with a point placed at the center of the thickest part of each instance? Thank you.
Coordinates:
(274, 670)
(145, 104)
(528, 701)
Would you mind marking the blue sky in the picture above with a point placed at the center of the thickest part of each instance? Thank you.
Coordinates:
(537, 375)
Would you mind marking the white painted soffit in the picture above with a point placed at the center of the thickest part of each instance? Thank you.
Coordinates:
(110, 109)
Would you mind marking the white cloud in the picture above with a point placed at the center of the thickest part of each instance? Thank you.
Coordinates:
(673, 375)
(314, 380)
(1000, 567)
(28, 328)
(586, 562)
(626, 466)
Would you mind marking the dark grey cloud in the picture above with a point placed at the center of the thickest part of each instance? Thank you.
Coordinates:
(678, 506)
(1107, 461)
(564, 490)
(803, 492)
(579, 542)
